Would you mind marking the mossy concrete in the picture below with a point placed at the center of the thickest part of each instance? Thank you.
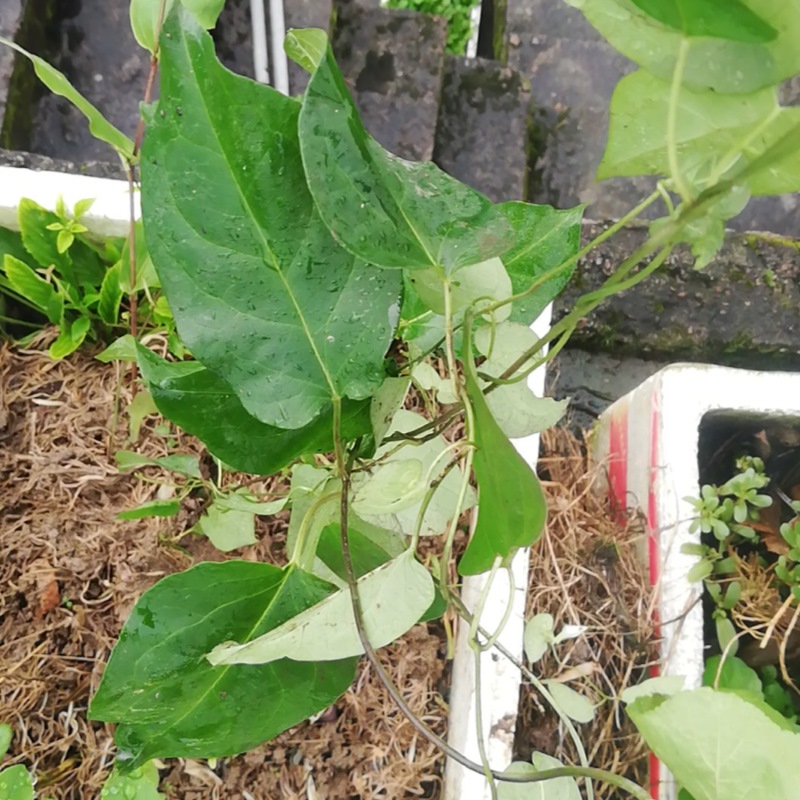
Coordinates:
(742, 310)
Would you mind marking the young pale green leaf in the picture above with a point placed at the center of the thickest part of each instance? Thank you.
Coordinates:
(184, 392)
(555, 789)
(139, 784)
(385, 404)
(176, 462)
(16, 783)
(173, 703)
(574, 705)
(389, 488)
(476, 285)
(666, 685)
(517, 410)
(313, 492)
(271, 304)
(70, 338)
(110, 296)
(141, 407)
(538, 636)
(720, 19)
(544, 238)
(710, 128)
(726, 635)
(512, 509)
(393, 598)
(242, 500)
(152, 508)
(724, 65)
(403, 517)
(206, 12)
(719, 746)
(57, 83)
(428, 378)
(121, 349)
(390, 212)
(306, 47)
(227, 528)
(5, 738)
(734, 674)
(27, 283)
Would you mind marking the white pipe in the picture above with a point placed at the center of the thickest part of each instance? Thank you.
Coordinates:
(277, 27)
(475, 26)
(258, 25)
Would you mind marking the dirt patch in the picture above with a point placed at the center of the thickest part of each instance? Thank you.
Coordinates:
(70, 574)
(587, 571)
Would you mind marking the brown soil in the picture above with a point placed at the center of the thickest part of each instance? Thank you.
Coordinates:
(70, 573)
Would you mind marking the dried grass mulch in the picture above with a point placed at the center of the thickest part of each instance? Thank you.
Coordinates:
(70, 573)
(587, 570)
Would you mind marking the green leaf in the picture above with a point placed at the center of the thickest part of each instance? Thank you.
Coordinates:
(57, 83)
(390, 212)
(574, 705)
(141, 407)
(81, 207)
(306, 47)
(269, 302)
(726, 633)
(152, 508)
(205, 12)
(666, 685)
(721, 64)
(735, 674)
(71, 337)
(110, 296)
(554, 789)
(721, 19)
(173, 703)
(122, 349)
(145, 16)
(64, 240)
(475, 285)
(516, 409)
(385, 404)
(511, 506)
(40, 241)
(719, 746)
(228, 528)
(709, 128)
(393, 598)
(27, 283)
(428, 378)
(139, 784)
(16, 783)
(365, 554)
(184, 391)
(175, 462)
(538, 636)
(700, 570)
(5, 738)
(242, 500)
(11, 244)
(401, 515)
(145, 273)
(544, 238)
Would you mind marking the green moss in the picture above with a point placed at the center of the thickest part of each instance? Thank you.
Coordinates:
(754, 239)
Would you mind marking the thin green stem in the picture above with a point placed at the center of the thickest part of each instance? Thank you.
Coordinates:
(303, 555)
(672, 121)
(487, 767)
(448, 336)
(512, 588)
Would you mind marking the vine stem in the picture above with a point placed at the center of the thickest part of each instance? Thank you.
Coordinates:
(392, 690)
(672, 120)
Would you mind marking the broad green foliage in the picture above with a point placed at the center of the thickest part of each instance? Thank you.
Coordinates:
(139, 784)
(145, 16)
(390, 212)
(292, 320)
(183, 392)
(555, 789)
(171, 702)
(512, 510)
(57, 83)
(16, 783)
(719, 746)
(393, 599)
(722, 61)
(712, 130)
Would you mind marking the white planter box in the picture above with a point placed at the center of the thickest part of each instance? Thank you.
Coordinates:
(649, 443)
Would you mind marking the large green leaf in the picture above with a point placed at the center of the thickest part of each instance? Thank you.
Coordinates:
(723, 64)
(57, 83)
(388, 211)
(511, 505)
(16, 783)
(172, 703)
(393, 599)
(184, 392)
(719, 746)
(11, 244)
(722, 19)
(544, 238)
(709, 127)
(261, 293)
(29, 285)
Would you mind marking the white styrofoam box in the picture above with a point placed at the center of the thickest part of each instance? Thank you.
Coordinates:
(500, 679)
(648, 441)
(108, 216)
